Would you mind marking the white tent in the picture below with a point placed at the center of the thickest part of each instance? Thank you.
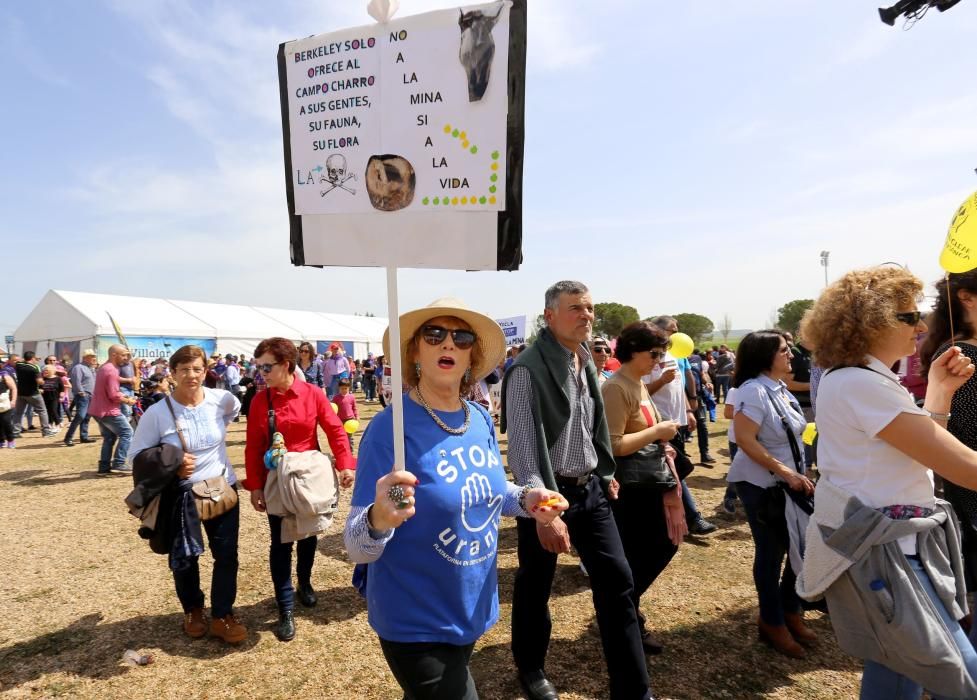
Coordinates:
(67, 322)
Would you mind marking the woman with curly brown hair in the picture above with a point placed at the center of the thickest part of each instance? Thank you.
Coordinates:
(880, 547)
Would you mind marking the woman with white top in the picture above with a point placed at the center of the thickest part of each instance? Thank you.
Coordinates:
(876, 445)
(203, 415)
(767, 457)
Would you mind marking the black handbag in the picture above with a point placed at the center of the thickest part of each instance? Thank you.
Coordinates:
(645, 469)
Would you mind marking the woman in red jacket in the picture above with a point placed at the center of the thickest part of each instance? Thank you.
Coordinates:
(299, 408)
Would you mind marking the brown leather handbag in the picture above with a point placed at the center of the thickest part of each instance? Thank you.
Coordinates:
(213, 496)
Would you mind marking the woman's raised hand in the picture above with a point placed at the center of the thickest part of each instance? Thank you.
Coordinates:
(394, 500)
(950, 371)
(545, 505)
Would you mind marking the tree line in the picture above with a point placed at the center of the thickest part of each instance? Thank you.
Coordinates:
(610, 317)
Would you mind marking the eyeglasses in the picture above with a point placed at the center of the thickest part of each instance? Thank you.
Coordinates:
(267, 367)
(435, 335)
(910, 318)
(784, 350)
(601, 350)
(657, 354)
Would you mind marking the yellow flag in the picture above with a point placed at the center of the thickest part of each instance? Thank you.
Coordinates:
(118, 331)
(960, 250)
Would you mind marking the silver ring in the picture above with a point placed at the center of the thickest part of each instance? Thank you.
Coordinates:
(396, 494)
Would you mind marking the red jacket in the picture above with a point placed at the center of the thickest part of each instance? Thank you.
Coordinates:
(298, 411)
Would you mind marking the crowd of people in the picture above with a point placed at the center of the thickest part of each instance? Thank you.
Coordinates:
(599, 433)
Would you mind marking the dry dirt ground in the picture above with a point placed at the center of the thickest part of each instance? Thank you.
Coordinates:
(79, 588)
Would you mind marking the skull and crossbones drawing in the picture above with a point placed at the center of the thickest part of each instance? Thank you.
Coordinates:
(336, 175)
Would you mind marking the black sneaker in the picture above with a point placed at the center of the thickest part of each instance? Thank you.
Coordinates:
(651, 645)
(88, 440)
(307, 596)
(702, 527)
(707, 459)
(537, 686)
(285, 629)
(68, 442)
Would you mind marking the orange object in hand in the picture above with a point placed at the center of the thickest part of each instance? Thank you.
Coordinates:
(548, 503)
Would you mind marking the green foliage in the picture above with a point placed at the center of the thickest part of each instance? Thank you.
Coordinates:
(790, 314)
(537, 325)
(611, 317)
(695, 326)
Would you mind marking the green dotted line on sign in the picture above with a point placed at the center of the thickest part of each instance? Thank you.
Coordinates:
(453, 201)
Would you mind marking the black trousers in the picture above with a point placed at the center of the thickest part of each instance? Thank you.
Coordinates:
(702, 428)
(640, 518)
(594, 533)
(430, 670)
(280, 561)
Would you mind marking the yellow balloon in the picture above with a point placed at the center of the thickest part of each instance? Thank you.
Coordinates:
(960, 249)
(335, 408)
(810, 432)
(351, 426)
(682, 346)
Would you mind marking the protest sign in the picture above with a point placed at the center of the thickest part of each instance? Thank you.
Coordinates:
(404, 141)
(514, 329)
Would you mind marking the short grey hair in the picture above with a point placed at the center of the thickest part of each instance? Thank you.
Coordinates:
(663, 321)
(552, 300)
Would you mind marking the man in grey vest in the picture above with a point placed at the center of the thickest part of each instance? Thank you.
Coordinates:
(554, 415)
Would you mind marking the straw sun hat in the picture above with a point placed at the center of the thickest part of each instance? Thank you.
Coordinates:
(490, 338)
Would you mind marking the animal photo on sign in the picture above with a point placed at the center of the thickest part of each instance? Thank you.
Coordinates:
(390, 181)
(477, 49)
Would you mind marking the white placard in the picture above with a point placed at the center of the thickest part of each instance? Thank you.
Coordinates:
(514, 329)
(373, 107)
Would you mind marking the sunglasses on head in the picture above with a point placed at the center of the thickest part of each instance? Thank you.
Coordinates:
(910, 318)
(267, 367)
(435, 335)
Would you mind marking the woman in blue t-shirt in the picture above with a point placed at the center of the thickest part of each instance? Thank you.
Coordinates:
(431, 587)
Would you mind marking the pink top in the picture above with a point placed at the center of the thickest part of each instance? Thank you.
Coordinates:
(346, 405)
(106, 397)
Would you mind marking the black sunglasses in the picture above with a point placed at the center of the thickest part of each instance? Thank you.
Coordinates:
(910, 318)
(435, 335)
(657, 354)
(267, 367)
(601, 350)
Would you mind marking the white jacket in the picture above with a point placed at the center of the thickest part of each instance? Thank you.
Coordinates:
(304, 491)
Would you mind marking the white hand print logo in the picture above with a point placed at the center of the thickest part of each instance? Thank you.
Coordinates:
(478, 506)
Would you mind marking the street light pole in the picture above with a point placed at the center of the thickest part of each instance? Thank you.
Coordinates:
(824, 264)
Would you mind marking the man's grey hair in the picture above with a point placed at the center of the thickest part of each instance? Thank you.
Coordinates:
(552, 300)
(663, 321)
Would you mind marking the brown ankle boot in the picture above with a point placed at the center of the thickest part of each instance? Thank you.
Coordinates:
(228, 629)
(798, 630)
(194, 624)
(779, 638)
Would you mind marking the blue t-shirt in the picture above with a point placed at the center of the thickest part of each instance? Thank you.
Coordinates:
(436, 579)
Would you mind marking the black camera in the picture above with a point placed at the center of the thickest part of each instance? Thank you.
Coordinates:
(913, 9)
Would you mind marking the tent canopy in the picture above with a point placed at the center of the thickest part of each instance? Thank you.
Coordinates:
(64, 316)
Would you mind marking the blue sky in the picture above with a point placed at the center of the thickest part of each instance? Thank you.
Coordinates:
(680, 157)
